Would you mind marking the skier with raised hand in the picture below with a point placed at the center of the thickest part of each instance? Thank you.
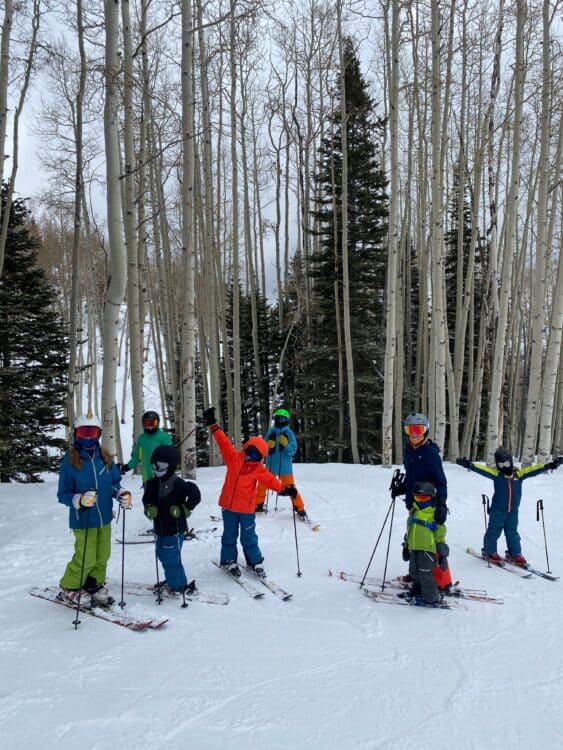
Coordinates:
(168, 501)
(282, 446)
(89, 480)
(426, 539)
(423, 463)
(505, 503)
(151, 437)
(244, 470)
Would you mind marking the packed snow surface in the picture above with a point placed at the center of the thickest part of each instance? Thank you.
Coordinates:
(328, 670)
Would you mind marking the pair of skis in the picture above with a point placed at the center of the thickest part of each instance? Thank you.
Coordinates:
(524, 571)
(192, 594)
(453, 592)
(109, 613)
(250, 589)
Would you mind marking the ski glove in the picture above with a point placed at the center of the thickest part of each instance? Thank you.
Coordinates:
(283, 441)
(552, 465)
(151, 511)
(465, 462)
(406, 550)
(442, 550)
(85, 500)
(124, 499)
(271, 447)
(397, 485)
(290, 491)
(440, 514)
(209, 417)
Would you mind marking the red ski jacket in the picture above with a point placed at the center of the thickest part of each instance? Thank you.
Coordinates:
(239, 487)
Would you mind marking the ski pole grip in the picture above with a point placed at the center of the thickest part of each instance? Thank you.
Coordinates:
(539, 506)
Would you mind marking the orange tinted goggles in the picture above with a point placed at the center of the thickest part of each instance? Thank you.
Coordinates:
(151, 423)
(415, 430)
(423, 498)
(88, 431)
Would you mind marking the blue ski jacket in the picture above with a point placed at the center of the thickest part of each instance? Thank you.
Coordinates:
(424, 464)
(95, 474)
(280, 461)
(507, 490)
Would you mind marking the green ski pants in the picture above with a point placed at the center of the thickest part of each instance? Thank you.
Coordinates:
(98, 549)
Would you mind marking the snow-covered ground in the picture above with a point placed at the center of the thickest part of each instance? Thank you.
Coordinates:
(328, 670)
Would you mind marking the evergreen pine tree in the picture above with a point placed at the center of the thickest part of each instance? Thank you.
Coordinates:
(321, 390)
(33, 358)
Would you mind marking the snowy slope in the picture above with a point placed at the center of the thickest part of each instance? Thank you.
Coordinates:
(327, 670)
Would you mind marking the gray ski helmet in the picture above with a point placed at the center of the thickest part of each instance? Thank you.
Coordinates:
(424, 488)
(417, 418)
(502, 455)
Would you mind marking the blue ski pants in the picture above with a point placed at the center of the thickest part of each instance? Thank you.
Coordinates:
(248, 537)
(499, 521)
(169, 552)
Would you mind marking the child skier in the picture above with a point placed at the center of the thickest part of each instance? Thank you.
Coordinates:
(168, 501)
(88, 482)
(422, 462)
(507, 494)
(426, 539)
(151, 437)
(244, 470)
(282, 446)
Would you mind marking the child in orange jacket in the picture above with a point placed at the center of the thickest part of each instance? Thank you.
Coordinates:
(244, 471)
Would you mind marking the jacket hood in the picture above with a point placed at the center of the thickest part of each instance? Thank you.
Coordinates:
(259, 443)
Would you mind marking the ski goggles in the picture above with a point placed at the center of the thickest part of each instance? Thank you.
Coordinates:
(160, 466)
(423, 498)
(504, 464)
(87, 432)
(150, 423)
(415, 430)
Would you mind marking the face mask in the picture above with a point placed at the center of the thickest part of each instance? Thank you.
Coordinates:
(252, 454)
(160, 472)
(86, 443)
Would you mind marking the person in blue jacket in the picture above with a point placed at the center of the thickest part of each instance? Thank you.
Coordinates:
(89, 480)
(423, 463)
(168, 501)
(282, 446)
(503, 514)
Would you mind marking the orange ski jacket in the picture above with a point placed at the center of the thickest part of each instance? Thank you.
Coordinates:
(239, 487)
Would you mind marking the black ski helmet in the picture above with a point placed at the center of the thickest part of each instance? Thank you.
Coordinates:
(502, 455)
(150, 416)
(424, 488)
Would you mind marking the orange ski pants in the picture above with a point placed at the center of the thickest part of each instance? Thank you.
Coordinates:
(286, 480)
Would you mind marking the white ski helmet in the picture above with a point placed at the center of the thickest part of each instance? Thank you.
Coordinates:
(87, 421)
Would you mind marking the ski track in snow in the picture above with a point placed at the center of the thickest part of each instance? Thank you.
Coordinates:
(329, 670)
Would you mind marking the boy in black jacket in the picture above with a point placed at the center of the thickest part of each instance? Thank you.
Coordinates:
(168, 500)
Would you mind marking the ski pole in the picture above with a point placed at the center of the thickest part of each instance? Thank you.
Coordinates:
(122, 602)
(179, 542)
(392, 503)
(158, 594)
(190, 433)
(279, 474)
(299, 573)
(539, 508)
(388, 545)
(76, 621)
(486, 510)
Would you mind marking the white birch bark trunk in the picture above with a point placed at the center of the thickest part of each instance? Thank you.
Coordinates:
(117, 266)
(539, 312)
(494, 426)
(188, 247)
(393, 248)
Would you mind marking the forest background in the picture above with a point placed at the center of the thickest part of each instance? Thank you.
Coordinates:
(351, 209)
